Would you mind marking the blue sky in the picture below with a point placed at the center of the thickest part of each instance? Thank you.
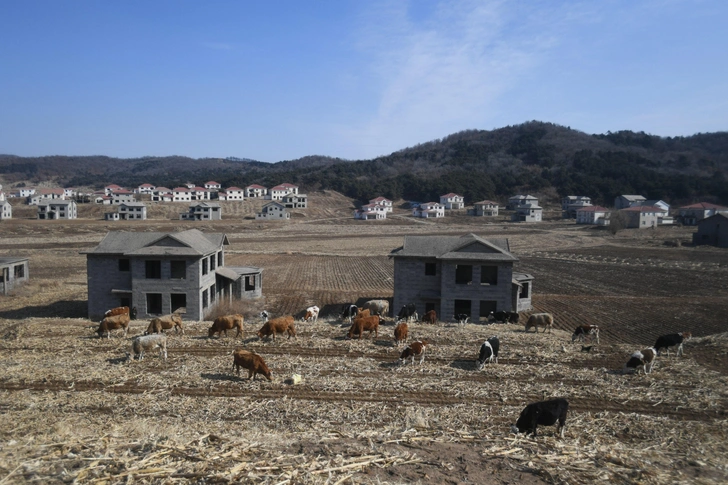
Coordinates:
(279, 80)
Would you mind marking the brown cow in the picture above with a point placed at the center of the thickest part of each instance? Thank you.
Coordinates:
(120, 310)
(157, 325)
(253, 362)
(225, 323)
(369, 324)
(401, 332)
(430, 317)
(545, 320)
(363, 313)
(113, 323)
(415, 349)
(278, 325)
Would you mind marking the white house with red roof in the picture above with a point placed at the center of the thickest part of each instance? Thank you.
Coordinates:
(452, 201)
(212, 185)
(593, 214)
(181, 194)
(112, 188)
(371, 211)
(145, 189)
(691, 214)
(200, 193)
(279, 191)
(428, 210)
(26, 191)
(44, 194)
(255, 190)
(231, 193)
(382, 202)
(162, 194)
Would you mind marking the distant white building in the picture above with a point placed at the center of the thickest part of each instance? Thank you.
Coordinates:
(145, 189)
(231, 193)
(57, 209)
(162, 194)
(121, 196)
(199, 193)
(6, 210)
(382, 202)
(452, 201)
(295, 201)
(528, 213)
(690, 215)
(279, 191)
(521, 200)
(212, 185)
(572, 203)
(26, 192)
(255, 190)
(624, 201)
(181, 194)
(487, 208)
(130, 211)
(658, 203)
(429, 210)
(645, 216)
(273, 211)
(593, 214)
(42, 195)
(202, 211)
(371, 211)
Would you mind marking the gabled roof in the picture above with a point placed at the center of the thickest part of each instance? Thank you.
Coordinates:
(284, 187)
(255, 186)
(229, 189)
(450, 195)
(132, 204)
(180, 189)
(379, 199)
(55, 202)
(192, 242)
(486, 202)
(467, 247)
(714, 218)
(146, 185)
(519, 196)
(212, 182)
(704, 206)
(633, 197)
(11, 260)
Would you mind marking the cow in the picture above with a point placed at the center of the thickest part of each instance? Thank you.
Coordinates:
(365, 324)
(113, 323)
(278, 325)
(584, 331)
(133, 313)
(462, 318)
(264, 315)
(223, 324)
(513, 317)
(545, 320)
(377, 307)
(120, 310)
(488, 352)
(500, 316)
(363, 313)
(312, 313)
(415, 349)
(430, 317)
(157, 325)
(143, 343)
(401, 332)
(545, 413)
(349, 311)
(253, 362)
(408, 312)
(670, 340)
(644, 359)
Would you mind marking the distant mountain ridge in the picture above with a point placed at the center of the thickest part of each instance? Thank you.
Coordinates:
(534, 157)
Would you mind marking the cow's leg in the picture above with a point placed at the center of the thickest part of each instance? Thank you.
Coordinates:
(679, 350)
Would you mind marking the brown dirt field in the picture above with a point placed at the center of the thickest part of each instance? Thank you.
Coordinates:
(75, 411)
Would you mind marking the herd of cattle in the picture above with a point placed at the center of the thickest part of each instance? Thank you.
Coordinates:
(368, 318)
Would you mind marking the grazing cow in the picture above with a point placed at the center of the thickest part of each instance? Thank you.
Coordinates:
(120, 310)
(312, 313)
(644, 359)
(349, 311)
(113, 323)
(500, 317)
(545, 320)
(363, 313)
(377, 307)
(667, 341)
(462, 318)
(143, 343)
(584, 331)
(253, 362)
(545, 413)
(513, 317)
(278, 325)
(157, 325)
(488, 352)
(228, 322)
(366, 324)
(430, 317)
(408, 312)
(415, 349)
(401, 332)
(264, 315)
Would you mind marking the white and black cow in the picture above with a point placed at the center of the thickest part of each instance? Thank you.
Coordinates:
(348, 311)
(264, 315)
(671, 340)
(488, 352)
(644, 359)
(461, 318)
(583, 331)
(545, 413)
(408, 312)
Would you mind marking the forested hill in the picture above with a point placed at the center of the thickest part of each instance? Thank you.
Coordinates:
(535, 157)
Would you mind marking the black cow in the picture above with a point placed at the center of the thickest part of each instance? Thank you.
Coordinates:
(348, 311)
(488, 352)
(505, 317)
(513, 317)
(133, 313)
(462, 318)
(545, 413)
(408, 312)
(667, 341)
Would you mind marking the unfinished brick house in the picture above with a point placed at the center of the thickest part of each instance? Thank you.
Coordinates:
(160, 273)
(458, 274)
(13, 271)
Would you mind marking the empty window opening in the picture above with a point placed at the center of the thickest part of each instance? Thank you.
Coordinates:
(19, 271)
(463, 274)
(430, 269)
(489, 275)
(178, 301)
(205, 301)
(463, 307)
(154, 303)
(153, 269)
(249, 283)
(525, 289)
(204, 266)
(486, 307)
(178, 270)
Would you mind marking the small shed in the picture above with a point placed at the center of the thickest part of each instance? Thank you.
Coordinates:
(13, 271)
(713, 231)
